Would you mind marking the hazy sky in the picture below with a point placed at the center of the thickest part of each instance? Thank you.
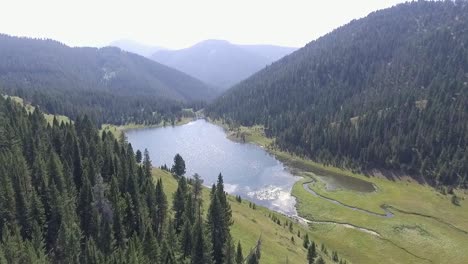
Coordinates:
(177, 24)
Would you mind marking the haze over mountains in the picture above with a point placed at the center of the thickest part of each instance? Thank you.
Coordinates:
(220, 63)
(135, 47)
(107, 83)
(389, 91)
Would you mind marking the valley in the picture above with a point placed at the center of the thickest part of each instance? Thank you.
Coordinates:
(399, 221)
(220, 142)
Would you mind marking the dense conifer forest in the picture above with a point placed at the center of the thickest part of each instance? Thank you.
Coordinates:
(70, 194)
(107, 84)
(388, 92)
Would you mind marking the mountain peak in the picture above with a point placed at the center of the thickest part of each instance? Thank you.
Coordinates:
(219, 62)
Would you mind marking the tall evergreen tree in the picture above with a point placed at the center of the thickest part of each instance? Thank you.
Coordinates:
(178, 204)
(306, 241)
(239, 255)
(311, 253)
(216, 225)
(178, 168)
(229, 251)
(67, 247)
(200, 255)
(147, 166)
(161, 202)
(138, 156)
(186, 239)
(224, 203)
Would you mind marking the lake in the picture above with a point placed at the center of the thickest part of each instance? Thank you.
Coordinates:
(248, 170)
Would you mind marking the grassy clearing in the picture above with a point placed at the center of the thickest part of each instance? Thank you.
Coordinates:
(423, 237)
(30, 109)
(426, 233)
(255, 134)
(249, 224)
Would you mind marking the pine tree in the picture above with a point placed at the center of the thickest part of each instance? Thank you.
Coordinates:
(200, 255)
(320, 261)
(229, 251)
(178, 204)
(135, 252)
(138, 156)
(21, 184)
(335, 257)
(216, 225)
(54, 216)
(161, 202)
(85, 200)
(306, 242)
(167, 255)
(77, 166)
(186, 239)
(37, 212)
(38, 245)
(224, 203)
(150, 246)
(147, 166)
(197, 194)
(67, 247)
(311, 253)
(91, 253)
(190, 211)
(7, 198)
(178, 168)
(55, 170)
(239, 255)
(12, 245)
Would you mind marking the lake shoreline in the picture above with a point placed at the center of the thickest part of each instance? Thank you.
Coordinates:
(248, 170)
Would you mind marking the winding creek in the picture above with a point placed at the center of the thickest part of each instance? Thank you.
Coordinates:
(387, 214)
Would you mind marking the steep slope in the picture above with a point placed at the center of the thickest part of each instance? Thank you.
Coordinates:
(135, 47)
(108, 83)
(388, 91)
(220, 63)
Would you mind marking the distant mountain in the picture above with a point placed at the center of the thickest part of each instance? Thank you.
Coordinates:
(220, 63)
(135, 47)
(389, 91)
(270, 52)
(110, 84)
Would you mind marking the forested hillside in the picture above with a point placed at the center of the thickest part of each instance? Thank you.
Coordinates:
(389, 91)
(220, 63)
(69, 194)
(108, 84)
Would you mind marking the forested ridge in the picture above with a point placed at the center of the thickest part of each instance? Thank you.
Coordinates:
(70, 194)
(107, 84)
(388, 92)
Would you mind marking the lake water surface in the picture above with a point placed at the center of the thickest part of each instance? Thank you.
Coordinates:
(248, 169)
